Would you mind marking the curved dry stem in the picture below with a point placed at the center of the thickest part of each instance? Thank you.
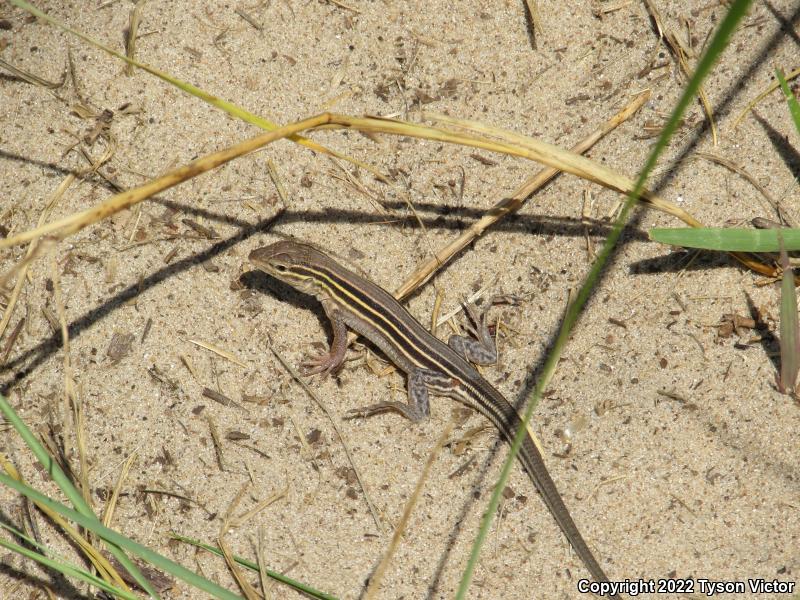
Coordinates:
(77, 221)
(510, 204)
(522, 146)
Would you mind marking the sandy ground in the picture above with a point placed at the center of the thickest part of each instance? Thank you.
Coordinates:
(684, 459)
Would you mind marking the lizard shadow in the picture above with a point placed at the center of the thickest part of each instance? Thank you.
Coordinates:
(24, 364)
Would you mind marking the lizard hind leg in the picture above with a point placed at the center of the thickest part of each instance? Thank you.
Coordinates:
(416, 409)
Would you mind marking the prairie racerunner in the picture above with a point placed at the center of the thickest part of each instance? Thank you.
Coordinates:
(350, 300)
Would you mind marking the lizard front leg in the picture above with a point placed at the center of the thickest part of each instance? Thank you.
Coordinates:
(327, 363)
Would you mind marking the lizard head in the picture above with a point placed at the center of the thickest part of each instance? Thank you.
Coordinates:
(294, 263)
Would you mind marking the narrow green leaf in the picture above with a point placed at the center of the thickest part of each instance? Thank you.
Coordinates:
(60, 565)
(790, 357)
(729, 240)
(69, 490)
(794, 107)
(157, 560)
(718, 43)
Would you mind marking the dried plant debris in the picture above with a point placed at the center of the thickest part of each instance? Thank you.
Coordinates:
(206, 232)
(120, 346)
(30, 77)
(753, 328)
(220, 397)
(732, 322)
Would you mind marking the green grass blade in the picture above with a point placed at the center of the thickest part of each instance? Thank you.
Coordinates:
(155, 559)
(729, 240)
(790, 336)
(794, 107)
(254, 567)
(69, 490)
(790, 359)
(63, 567)
(715, 48)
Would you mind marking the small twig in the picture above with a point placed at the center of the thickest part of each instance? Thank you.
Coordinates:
(510, 205)
(377, 577)
(212, 428)
(296, 376)
(217, 350)
(221, 398)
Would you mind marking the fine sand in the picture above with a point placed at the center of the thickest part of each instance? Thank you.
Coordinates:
(682, 461)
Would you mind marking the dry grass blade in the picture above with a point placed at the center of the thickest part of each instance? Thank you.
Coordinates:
(69, 382)
(230, 522)
(79, 424)
(130, 36)
(31, 78)
(217, 442)
(517, 145)
(510, 205)
(261, 505)
(108, 513)
(277, 182)
(29, 255)
(679, 51)
(377, 577)
(244, 585)
(217, 350)
(104, 568)
(266, 588)
(769, 89)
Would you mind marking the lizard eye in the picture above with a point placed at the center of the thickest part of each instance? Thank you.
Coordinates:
(280, 268)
